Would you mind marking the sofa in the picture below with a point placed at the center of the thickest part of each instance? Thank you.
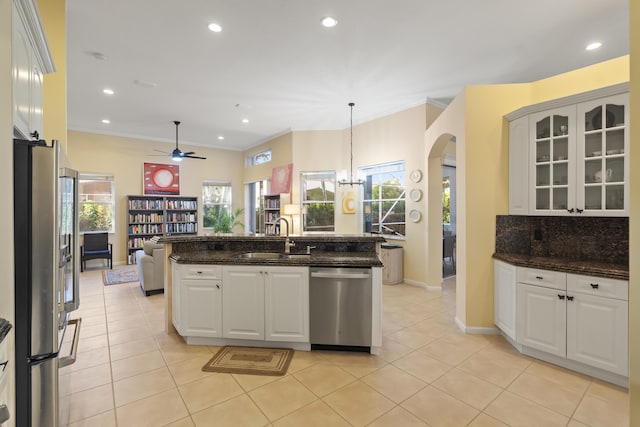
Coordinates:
(150, 263)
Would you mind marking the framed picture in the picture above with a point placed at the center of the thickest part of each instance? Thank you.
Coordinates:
(281, 179)
(158, 178)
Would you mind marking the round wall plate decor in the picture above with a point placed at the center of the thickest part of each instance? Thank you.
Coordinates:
(416, 175)
(415, 215)
(415, 195)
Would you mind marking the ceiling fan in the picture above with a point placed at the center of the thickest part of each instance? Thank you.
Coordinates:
(177, 155)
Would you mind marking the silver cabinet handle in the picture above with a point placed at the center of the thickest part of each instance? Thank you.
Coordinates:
(71, 358)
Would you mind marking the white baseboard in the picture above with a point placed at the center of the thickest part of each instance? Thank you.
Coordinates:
(475, 329)
(422, 285)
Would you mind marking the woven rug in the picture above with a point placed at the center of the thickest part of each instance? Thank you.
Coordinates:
(250, 360)
(121, 275)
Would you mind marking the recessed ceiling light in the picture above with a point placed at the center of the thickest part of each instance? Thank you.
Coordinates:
(216, 28)
(245, 120)
(329, 21)
(106, 121)
(220, 137)
(108, 91)
(593, 46)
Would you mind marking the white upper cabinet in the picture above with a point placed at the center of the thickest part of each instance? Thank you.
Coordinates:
(570, 156)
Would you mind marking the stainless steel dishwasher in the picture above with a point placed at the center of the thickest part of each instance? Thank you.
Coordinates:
(340, 308)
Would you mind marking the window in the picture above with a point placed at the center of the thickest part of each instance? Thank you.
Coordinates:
(96, 203)
(318, 193)
(216, 204)
(384, 199)
(259, 158)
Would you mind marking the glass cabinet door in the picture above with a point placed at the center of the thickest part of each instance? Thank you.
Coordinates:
(552, 154)
(602, 156)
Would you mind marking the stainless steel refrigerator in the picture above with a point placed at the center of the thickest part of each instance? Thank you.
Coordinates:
(46, 277)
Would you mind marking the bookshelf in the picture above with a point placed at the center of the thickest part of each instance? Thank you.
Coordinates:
(272, 210)
(149, 216)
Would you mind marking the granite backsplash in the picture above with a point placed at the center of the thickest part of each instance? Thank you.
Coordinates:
(575, 238)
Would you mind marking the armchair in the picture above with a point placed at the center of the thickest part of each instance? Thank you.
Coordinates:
(96, 246)
(150, 264)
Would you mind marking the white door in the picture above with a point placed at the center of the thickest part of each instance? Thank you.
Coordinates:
(597, 332)
(201, 308)
(541, 314)
(504, 298)
(287, 304)
(243, 302)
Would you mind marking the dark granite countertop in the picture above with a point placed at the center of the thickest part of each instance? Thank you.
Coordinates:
(315, 259)
(589, 268)
(334, 238)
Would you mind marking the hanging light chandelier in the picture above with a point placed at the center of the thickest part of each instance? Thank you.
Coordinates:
(351, 181)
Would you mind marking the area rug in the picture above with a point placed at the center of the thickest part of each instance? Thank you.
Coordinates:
(250, 360)
(121, 275)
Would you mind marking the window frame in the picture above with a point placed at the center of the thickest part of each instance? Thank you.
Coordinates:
(398, 166)
(100, 177)
(328, 175)
(252, 159)
(226, 206)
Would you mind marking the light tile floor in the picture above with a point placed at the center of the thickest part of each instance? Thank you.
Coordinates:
(129, 372)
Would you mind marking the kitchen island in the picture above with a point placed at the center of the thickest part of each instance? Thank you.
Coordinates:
(247, 290)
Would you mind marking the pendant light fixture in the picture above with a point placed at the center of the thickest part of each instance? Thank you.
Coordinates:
(351, 182)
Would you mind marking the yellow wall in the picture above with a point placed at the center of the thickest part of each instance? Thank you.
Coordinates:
(280, 156)
(123, 158)
(52, 13)
(634, 219)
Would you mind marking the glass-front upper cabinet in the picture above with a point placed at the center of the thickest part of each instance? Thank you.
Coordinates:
(603, 146)
(552, 155)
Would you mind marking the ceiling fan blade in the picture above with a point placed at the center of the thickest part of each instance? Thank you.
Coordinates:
(162, 151)
(185, 153)
(189, 156)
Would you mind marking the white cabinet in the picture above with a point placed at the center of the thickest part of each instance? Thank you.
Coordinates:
(197, 300)
(27, 73)
(504, 298)
(580, 318)
(391, 258)
(266, 303)
(576, 153)
(598, 322)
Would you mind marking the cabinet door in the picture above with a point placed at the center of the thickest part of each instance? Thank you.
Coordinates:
(201, 308)
(519, 166)
(287, 304)
(21, 71)
(243, 302)
(541, 318)
(504, 298)
(603, 162)
(597, 332)
(176, 311)
(552, 163)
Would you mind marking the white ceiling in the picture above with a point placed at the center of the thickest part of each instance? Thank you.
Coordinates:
(274, 64)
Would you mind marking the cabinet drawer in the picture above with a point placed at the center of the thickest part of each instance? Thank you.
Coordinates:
(202, 271)
(545, 278)
(610, 288)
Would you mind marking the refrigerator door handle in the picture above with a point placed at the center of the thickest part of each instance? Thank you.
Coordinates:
(71, 358)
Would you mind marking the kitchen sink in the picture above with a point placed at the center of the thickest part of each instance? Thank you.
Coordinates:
(271, 255)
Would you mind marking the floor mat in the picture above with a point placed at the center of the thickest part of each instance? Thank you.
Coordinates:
(121, 275)
(250, 360)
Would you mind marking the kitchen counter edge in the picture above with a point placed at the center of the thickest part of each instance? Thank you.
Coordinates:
(318, 259)
(588, 268)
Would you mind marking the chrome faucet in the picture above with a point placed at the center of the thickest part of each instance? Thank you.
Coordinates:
(287, 243)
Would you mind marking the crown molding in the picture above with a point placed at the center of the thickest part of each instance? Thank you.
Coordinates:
(28, 13)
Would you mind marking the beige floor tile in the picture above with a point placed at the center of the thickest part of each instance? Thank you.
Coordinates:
(394, 383)
(422, 366)
(178, 352)
(88, 403)
(316, 414)
(136, 365)
(252, 382)
(495, 366)
(574, 423)
(190, 370)
(209, 391)
(437, 408)
(597, 412)
(398, 417)
(304, 359)
(281, 397)
(120, 324)
(411, 338)
(546, 393)
(128, 335)
(142, 385)
(88, 359)
(133, 348)
(92, 343)
(484, 420)
(324, 378)
(393, 350)
(106, 419)
(86, 379)
(453, 349)
(185, 422)
(357, 364)
(239, 411)
(358, 403)
(560, 376)
(516, 411)
(157, 410)
(469, 389)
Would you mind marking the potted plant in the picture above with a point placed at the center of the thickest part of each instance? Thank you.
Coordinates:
(226, 221)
